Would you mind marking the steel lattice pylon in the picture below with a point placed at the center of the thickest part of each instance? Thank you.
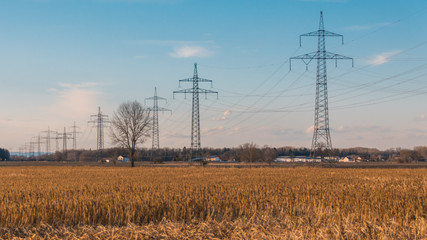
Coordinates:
(321, 144)
(155, 110)
(195, 120)
(100, 120)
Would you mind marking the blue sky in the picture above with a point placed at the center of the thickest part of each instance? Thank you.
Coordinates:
(61, 59)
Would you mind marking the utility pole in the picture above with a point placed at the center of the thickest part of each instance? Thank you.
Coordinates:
(99, 120)
(195, 120)
(321, 144)
(155, 110)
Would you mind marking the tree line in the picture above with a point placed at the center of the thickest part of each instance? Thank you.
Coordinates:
(248, 152)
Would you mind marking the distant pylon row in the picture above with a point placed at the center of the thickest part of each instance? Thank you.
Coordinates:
(45, 138)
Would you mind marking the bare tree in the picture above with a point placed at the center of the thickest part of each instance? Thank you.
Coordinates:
(131, 124)
(249, 152)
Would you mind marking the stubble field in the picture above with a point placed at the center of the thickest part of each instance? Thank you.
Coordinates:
(201, 203)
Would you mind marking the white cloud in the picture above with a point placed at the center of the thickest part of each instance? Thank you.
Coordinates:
(191, 51)
(182, 48)
(75, 100)
(421, 117)
(383, 58)
(213, 130)
(309, 129)
(340, 128)
(225, 114)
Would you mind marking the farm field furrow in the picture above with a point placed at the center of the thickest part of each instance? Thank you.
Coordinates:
(177, 203)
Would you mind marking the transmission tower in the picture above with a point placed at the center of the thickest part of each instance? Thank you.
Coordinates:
(64, 136)
(155, 110)
(321, 143)
(74, 127)
(57, 140)
(32, 148)
(99, 120)
(48, 137)
(195, 121)
(38, 145)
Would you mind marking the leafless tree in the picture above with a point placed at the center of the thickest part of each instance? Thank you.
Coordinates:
(249, 152)
(269, 154)
(131, 124)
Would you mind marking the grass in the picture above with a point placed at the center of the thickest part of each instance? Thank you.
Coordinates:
(177, 203)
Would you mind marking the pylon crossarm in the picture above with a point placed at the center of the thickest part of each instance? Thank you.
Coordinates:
(204, 80)
(318, 55)
(188, 90)
(312, 55)
(154, 98)
(160, 109)
(201, 90)
(161, 98)
(186, 80)
(321, 33)
(329, 55)
(304, 58)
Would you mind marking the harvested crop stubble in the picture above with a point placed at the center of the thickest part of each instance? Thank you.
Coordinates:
(82, 202)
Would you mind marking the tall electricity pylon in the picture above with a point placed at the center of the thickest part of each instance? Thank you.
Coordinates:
(48, 137)
(38, 146)
(64, 136)
(321, 143)
(155, 110)
(195, 121)
(99, 120)
(74, 127)
(37, 143)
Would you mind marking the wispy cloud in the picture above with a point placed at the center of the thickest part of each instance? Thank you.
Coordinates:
(183, 48)
(220, 131)
(75, 100)
(191, 51)
(366, 27)
(224, 116)
(421, 117)
(309, 129)
(383, 57)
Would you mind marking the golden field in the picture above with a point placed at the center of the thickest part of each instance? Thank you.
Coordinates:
(223, 203)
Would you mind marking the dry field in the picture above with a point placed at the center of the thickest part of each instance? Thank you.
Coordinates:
(203, 203)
